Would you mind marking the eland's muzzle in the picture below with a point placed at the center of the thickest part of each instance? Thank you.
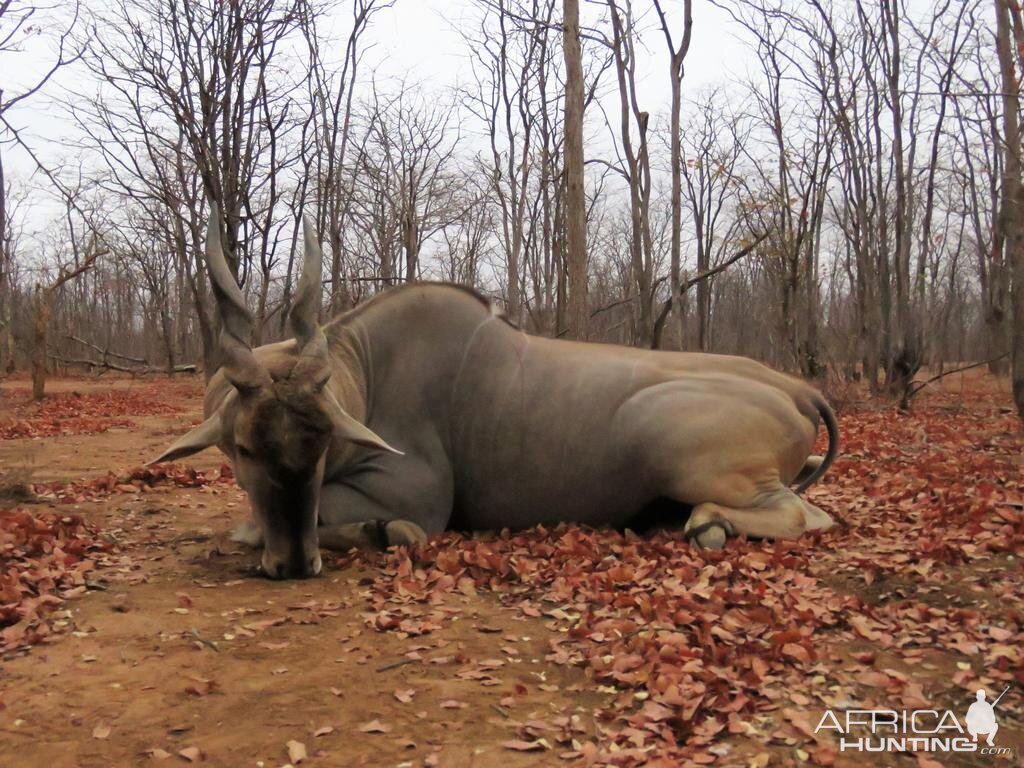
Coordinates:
(293, 568)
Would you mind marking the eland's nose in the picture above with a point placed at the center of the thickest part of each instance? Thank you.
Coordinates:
(301, 569)
(304, 570)
(276, 570)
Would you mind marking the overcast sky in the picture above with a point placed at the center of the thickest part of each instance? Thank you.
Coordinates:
(421, 37)
(417, 40)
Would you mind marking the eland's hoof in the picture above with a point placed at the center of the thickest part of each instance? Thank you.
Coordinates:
(404, 532)
(711, 535)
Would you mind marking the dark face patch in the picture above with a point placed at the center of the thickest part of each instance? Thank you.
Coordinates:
(288, 434)
(281, 437)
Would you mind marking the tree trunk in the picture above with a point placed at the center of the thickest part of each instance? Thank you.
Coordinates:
(410, 238)
(6, 284)
(703, 294)
(576, 211)
(42, 321)
(6, 347)
(810, 366)
(341, 299)
(905, 356)
(1012, 209)
(167, 331)
(676, 58)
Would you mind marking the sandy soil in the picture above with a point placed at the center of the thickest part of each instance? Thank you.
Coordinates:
(182, 651)
(182, 647)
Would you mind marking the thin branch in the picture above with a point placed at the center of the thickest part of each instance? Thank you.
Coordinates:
(922, 384)
(724, 265)
(659, 323)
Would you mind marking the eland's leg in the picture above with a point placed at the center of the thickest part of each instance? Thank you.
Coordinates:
(349, 518)
(779, 514)
(816, 519)
(401, 532)
(728, 448)
(370, 535)
(345, 536)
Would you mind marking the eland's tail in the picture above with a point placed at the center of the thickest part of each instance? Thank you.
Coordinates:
(832, 427)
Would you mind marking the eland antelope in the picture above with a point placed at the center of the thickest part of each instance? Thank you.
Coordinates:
(424, 409)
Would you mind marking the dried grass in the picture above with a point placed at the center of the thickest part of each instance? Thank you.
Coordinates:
(16, 484)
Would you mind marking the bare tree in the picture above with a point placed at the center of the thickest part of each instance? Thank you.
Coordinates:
(404, 185)
(468, 239)
(710, 153)
(9, 267)
(977, 163)
(509, 64)
(1010, 50)
(19, 22)
(6, 278)
(331, 92)
(83, 257)
(635, 165)
(677, 56)
(575, 203)
(148, 244)
(856, 186)
(208, 89)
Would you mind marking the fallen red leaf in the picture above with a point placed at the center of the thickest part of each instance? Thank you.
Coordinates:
(519, 745)
(375, 726)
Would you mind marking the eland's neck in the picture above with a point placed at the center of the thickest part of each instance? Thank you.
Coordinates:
(407, 344)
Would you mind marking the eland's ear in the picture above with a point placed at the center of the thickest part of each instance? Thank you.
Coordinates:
(199, 438)
(353, 430)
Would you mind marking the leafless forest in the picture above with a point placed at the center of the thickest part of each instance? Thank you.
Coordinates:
(851, 209)
(841, 197)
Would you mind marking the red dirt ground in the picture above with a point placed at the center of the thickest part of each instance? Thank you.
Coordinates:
(132, 631)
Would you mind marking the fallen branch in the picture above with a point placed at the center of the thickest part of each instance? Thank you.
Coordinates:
(106, 352)
(87, 362)
(108, 365)
(922, 384)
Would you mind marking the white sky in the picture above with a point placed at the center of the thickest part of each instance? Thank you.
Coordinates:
(415, 39)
